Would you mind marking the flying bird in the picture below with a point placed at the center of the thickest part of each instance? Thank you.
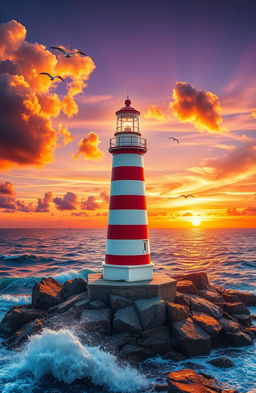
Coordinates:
(51, 76)
(68, 54)
(174, 139)
(187, 196)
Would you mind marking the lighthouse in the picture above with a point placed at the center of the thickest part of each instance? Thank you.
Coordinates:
(127, 250)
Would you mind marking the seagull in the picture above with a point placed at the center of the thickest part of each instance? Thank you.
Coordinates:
(187, 196)
(174, 139)
(51, 76)
(68, 54)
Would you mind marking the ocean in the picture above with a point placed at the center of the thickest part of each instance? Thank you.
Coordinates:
(55, 362)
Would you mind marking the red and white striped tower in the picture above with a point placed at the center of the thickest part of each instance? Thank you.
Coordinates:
(127, 253)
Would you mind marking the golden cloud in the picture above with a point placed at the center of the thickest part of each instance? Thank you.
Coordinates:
(88, 148)
(154, 112)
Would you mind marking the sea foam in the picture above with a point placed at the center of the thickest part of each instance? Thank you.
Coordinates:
(62, 355)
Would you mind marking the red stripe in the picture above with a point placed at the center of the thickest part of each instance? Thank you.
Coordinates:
(128, 173)
(127, 259)
(127, 202)
(127, 232)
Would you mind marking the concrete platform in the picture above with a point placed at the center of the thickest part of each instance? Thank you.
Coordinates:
(161, 285)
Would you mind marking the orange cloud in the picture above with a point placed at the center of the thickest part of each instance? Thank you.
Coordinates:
(90, 203)
(154, 112)
(68, 202)
(43, 204)
(198, 107)
(88, 147)
(249, 211)
(27, 135)
(65, 134)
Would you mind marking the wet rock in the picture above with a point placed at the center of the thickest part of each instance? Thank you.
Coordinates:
(189, 381)
(202, 305)
(200, 280)
(238, 339)
(176, 312)
(126, 319)
(251, 330)
(229, 326)
(117, 302)
(115, 341)
(96, 304)
(96, 320)
(193, 340)
(244, 319)
(70, 302)
(73, 287)
(132, 353)
(212, 295)
(159, 341)
(186, 286)
(221, 362)
(248, 298)
(174, 355)
(45, 294)
(21, 335)
(65, 319)
(160, 388)
(16, 317)
(182, 299)
(207, 323)
(151, 311)
(236, 308)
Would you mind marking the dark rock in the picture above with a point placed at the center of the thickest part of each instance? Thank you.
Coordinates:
(16, 317)
(194, 366)
(212, 295)
(73, 287)
(117, 302)
(229, 326)
(193, 340)
(189, 381)
(115, 341)
(96, 320)
(174, 355)
(236, 308)
(45, 294)
(132, 353)
(238, 339)
(70, 302)
(65, 319)
(126, 319)
(200, 280)
(251, 330)
(244, 319)
(202, 305)
(221, 362)
(151, 311)
(159, 341)
(176, 312)
(186, 286)
(248, 298)
(96, 304)
(160, 388)
(207, 323)
(182, 299)
(21, 335)
(82, 304)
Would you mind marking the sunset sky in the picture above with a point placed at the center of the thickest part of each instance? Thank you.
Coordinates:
(188, 66)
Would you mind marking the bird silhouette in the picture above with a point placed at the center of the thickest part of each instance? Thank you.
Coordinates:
(187, 196)
(68, 54)
(174, 139)
(52, 77)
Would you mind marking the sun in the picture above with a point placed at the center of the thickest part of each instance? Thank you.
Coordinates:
(196, 222)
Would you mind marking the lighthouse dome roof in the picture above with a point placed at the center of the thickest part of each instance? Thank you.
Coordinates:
(128, 108)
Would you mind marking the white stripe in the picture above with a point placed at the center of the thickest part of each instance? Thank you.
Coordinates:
(127, 187)
(127, 160)
(126, 247)
(127, 217)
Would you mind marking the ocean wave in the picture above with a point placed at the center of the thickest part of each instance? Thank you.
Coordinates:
(63, 356)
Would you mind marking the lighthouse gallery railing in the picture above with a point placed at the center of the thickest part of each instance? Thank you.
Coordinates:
(126, 141)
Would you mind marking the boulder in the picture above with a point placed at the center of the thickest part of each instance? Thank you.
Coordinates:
(182, 299)
(212, 295)
(160, 387)
(70, 302)
(126, 319)
(189, 381)
(244, 319)
(186, 286)
(16, 317)
(229, 326)
(193, 340)
(159, 341)
(96, 304)
(207, 323)
(45, 294)
(174, 355)
(115, 341)
(236, 308)
(176, 312)
(117, 302)
(132, 353)
(248, 298)
(151, 311)
(221, 362)
(66, 319)
(251, 330)
(21, 335)
(73, 287)
(200, 280)
(96, 320)
(202, 305)
(238, 339)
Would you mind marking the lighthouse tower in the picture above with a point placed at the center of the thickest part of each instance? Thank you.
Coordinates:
(127, 251)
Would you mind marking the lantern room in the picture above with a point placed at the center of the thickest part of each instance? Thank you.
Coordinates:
(127, 119)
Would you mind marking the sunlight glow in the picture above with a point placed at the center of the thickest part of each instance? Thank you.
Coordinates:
(196, 222)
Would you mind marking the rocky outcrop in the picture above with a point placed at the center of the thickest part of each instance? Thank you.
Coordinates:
(186, 286)
(176, 312)
(73, 287)
(202, 305)
(21, 335)
(46, 293)
(74, 301)
(221, 362)
(200, 279)
(207, 323)
(117, 302)
(127, 320)
(152, 312)
(189, 381)
(158, 339)
(96, 320)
